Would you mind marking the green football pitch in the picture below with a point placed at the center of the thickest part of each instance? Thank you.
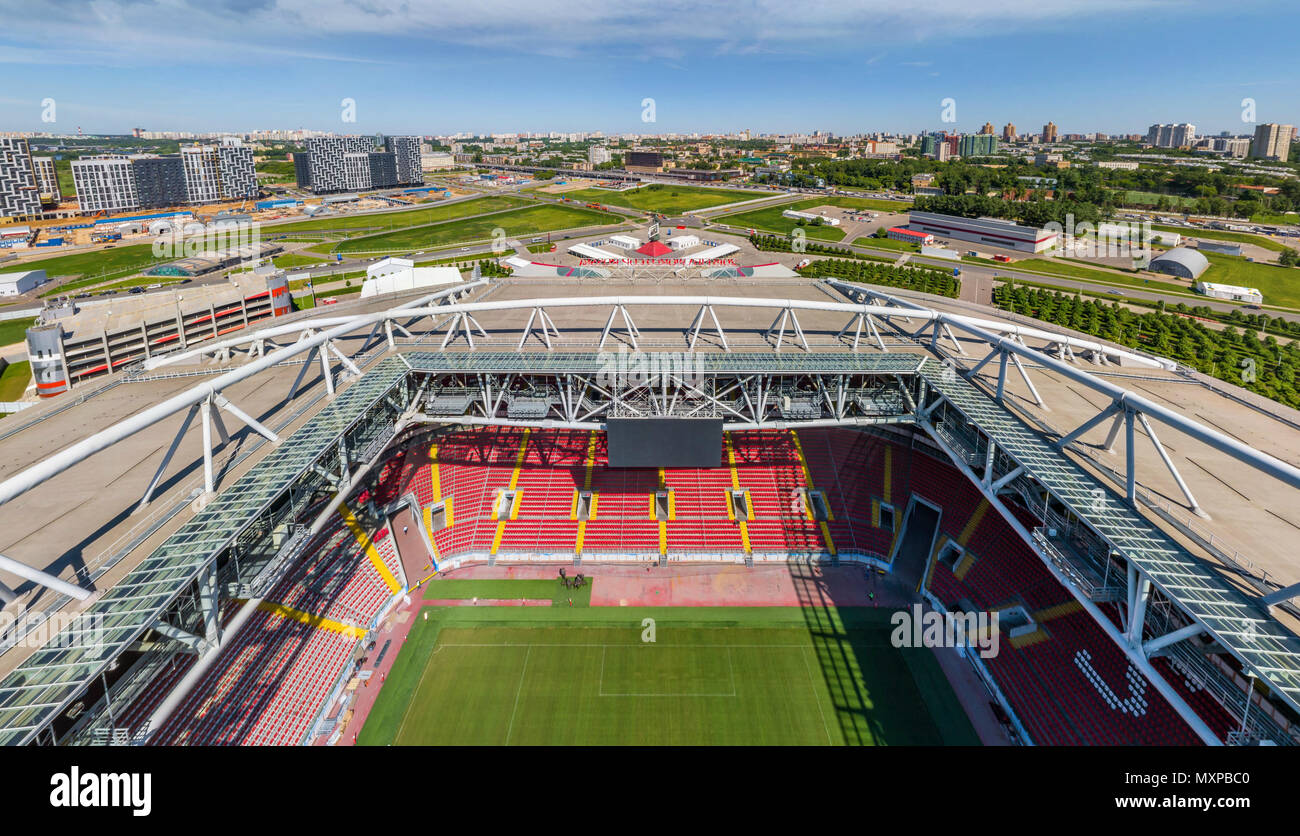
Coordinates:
(563, 675)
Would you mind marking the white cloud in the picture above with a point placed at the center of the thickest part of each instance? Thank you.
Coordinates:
(135, 30)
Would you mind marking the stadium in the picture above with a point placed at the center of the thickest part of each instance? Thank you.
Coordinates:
(650, 505)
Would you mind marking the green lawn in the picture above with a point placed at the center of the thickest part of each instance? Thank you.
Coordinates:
(1276, 218)
(887, 244)
(578, 675)
(516, 222)
(290, 260)
(1280, 285)
(94, 267)
(15, 331)
(664, 199)
(871, 204)
(397, 220)
(770, 219)
(1223, 235)
(1068, 269)
(1133, 198)
(14, 380)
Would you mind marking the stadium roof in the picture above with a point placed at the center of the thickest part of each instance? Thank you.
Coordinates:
(53, 676)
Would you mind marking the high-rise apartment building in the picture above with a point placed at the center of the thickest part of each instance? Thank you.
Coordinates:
(351, 163)
(201, 166)
(162, 181)
(105, 183)
(1273, 141)
(19, 193)
(1008, 132)
(1180, 135)
(47, 180)
(198, 174)
(977, 145)
(406, 153)
(238, 172)
(1049, 132)
(383, 169)
(328, 164)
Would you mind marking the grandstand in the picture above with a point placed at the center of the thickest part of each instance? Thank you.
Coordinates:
(242, 582)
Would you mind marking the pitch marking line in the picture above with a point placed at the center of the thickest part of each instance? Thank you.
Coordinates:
(518, 691)
(406, 715)
(812, 683)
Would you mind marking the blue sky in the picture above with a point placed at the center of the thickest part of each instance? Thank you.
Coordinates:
(493, 65)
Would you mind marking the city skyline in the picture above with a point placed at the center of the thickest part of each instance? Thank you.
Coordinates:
(845, 69)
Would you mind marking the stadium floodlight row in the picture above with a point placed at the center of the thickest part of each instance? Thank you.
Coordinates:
(992, 445)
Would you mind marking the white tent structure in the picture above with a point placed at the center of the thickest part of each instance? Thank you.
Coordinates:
(393, 275)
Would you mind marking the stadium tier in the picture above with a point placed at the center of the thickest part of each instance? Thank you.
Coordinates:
(1065, 680)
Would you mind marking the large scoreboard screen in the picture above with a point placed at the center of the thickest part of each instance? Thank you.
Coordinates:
(664, 442)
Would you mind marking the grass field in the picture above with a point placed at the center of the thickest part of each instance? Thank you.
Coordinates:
(289, 260)
(94, 267)
(561, 675)
(667, 200)
(1222, 235)
(14, 380)
(15, 330)
(1280, 285)
(1068, 269)
(397, 220)
(516, 222)
(886, 244)
(770, 219)
(1134, 198)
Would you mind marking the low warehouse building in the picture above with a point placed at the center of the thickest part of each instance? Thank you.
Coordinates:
(12, 284)
(995, 232)
(899, 233)
(1181, 262)
(1230, 292)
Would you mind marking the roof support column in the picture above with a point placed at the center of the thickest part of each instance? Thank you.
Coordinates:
(210, 603)
(306, 364)
(325, 370)
(167, 457)
(1038, 399)
(205, 407)
(22, 570)
(1151, 648)
(990, 453)
(1002, 375)
(1169, 463)
(248, 420)
(1088, 425)
(1130, 459)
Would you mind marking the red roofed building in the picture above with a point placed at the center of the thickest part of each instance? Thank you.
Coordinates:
(898, 233)
(654, 249)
